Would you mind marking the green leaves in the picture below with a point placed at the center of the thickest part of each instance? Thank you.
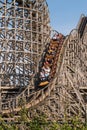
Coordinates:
(41, 122)
(38, 123)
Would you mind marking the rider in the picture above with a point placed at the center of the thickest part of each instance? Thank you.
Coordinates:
(42, 75)
(47, 70)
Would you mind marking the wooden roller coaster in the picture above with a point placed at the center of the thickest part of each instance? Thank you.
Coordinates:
(25, 47)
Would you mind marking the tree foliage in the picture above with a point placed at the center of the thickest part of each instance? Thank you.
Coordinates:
(41, 122)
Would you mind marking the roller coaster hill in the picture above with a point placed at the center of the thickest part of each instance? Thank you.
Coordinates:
(42, 69)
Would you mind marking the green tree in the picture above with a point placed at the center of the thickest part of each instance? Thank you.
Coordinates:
(54, 126)
(66, 126)
(23, 116)
(38, 123)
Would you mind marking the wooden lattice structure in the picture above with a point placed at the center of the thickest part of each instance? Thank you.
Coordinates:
(24, 31)
(69, 96)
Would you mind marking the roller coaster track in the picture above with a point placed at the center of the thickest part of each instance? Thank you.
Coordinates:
(35, 97)
(68, 87)
(76, 104)
(31, 99)
(68, 94)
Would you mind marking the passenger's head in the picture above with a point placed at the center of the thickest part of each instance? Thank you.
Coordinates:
(46, 64)
(60, 35)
